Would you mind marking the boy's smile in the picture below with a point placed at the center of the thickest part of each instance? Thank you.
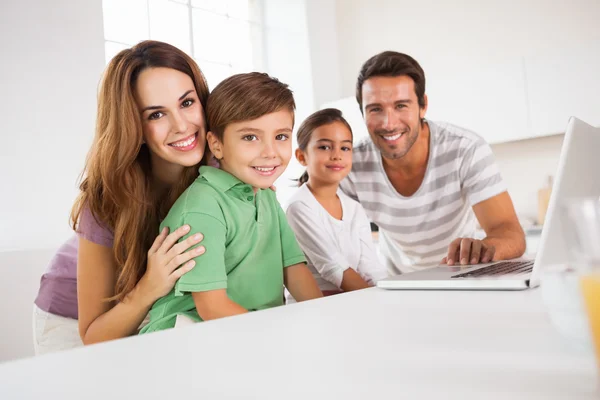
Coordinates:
(257, 151)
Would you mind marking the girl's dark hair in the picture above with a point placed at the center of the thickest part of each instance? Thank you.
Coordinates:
(315, 120)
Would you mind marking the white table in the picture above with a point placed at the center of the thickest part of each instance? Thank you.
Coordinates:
(363, 345)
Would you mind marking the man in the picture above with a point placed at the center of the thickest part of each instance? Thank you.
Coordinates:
(423, 182)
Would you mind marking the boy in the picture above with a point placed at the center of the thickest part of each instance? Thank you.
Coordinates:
(251, 251)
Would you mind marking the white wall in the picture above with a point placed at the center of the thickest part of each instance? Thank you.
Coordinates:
(288, 57)
(439, 33)
(52, 58)
(525, 166)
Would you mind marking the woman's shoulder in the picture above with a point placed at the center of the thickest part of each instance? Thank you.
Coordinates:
(91, 228)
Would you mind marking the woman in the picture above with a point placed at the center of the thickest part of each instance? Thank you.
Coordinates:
(150, 140)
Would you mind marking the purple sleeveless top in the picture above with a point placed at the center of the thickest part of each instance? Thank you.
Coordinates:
(58, 287)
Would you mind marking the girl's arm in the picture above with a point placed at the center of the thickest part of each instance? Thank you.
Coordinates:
(300, 283)
(101, 320)
(214, 304)
(353, 281)
(369, 265)
(321, 249)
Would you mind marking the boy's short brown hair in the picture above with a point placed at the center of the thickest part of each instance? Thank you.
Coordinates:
(244, 97)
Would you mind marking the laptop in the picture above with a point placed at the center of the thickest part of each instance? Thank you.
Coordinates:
(578, 175)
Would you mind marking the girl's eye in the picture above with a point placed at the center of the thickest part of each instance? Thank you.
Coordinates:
(155, 115)
(346, 148)
(250, 138)
(324, 147)
(187, 103)
(282, 137)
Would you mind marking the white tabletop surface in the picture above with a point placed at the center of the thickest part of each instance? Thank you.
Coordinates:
(362, 345)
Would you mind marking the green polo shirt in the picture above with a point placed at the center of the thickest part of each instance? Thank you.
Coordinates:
(248, 244)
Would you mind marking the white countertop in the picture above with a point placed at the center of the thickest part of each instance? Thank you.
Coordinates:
(367, 344)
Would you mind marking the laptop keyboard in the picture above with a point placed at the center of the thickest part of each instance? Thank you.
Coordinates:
(501, 268)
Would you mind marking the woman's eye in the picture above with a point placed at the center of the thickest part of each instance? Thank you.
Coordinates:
(282, 136)
(250, 138)
(187, 103)
(155, 115)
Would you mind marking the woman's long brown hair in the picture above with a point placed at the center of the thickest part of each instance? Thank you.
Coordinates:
(117, 186)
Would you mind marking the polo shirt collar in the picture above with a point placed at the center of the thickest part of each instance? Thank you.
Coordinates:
(219, 178)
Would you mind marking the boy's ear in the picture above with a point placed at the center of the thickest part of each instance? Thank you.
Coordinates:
(215, 146)
(300, 157)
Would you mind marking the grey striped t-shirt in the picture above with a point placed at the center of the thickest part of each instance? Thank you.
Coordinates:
(415, 231)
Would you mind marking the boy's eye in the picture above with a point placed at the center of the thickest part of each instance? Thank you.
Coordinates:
(187, 103)
(250, 138)
(155, 115)
(282, 136)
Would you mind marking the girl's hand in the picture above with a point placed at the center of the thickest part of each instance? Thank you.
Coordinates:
(164, 260)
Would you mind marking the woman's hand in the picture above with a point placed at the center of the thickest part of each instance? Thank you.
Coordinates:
(164, 260)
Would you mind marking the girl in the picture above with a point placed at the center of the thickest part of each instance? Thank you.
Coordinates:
(150, 140)
(332, 229)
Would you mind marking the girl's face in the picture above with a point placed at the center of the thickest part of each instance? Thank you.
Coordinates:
(172, 118)
(328, 155)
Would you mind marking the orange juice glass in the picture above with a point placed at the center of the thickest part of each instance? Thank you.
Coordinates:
(590, 288)
(581, 227)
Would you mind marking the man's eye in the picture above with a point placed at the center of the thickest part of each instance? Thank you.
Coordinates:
(282, 137)
(249, 138)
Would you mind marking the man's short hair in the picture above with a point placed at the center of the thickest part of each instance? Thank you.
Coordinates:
(392, 63)
(244, 97)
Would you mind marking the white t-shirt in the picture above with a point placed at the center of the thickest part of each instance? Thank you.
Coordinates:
(415, 231)
(331, 246)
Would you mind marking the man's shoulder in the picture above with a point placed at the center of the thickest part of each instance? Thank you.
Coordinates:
(450, 135)
(364, 152)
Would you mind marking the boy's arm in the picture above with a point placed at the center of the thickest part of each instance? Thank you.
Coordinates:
(215, 304)
(300, 282)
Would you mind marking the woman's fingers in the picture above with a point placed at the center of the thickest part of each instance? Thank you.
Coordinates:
(173, 238)
(158, 241)
(182, 246)
(178, 273)
(182, 258)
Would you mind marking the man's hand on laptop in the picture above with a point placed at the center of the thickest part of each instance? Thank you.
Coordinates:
(466, 251)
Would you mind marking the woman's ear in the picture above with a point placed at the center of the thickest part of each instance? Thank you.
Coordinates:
(215, 145)
(300, 157)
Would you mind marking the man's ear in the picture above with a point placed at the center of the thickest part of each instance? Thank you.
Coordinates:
(300, 157)
(423, 110)
(215, 145)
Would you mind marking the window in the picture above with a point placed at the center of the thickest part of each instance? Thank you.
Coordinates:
(223, 36)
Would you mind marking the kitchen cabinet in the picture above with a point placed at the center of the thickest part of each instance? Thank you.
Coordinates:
(561, 84)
